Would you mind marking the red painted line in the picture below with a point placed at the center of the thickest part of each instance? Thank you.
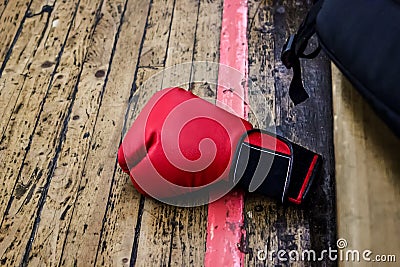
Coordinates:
(304, 186)
(225, 216)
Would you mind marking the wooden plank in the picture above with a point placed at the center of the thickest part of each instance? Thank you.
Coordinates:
(311, 126)
(20, 97)
(14, 74)
(153, 52)
(66, 182)
(170, 235)
(189, 236)
(3, 5)
(180, 45)
(190, 224)
(272, 226)
(261, 214)
(261, 64)
(152, 244)
(367, 174)
(11, 21)
(204, 78)
(186, 247)
(153, 232)
(129, 227)
(45, 109)
(33, 89)
(118, 232)
(86, 196)
(225, 226)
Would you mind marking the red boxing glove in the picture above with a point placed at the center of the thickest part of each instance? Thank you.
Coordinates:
(182, 148)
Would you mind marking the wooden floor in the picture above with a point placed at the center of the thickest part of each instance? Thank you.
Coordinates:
(69, 73)
(367, 176)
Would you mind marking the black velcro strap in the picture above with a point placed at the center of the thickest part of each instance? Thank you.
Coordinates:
(294, 49)
(274, 166)
(306, 29)
(296, 90)
(261, 170)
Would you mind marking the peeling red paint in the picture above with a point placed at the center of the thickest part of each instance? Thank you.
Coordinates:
(225, 216)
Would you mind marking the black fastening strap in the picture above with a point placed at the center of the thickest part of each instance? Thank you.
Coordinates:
(294, 49)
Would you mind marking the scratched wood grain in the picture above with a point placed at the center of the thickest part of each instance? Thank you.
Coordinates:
(48, 118)
(270, 225)
(311, 125)
(165, 230)
(15, 69)
(205, 67)
(18, 127)
(13, 13)
(84, 230)
(3, 5)
(23, 190)
(100, 21)
(261, 63)
(201, 43)
(118, 232)
(188, 224)
(152, 242)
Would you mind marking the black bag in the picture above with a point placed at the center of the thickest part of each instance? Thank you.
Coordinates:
(362, 38)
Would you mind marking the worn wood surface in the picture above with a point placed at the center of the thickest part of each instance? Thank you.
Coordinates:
(64, 209)
(74, 76)
(367, 174)
(123, 205)
(12, 16)
(272, 226)
(25, 185)
(15, 73)
(169, 235)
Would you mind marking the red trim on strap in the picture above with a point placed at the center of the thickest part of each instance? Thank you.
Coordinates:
(267, 141)
(306, 180)
(225, 216)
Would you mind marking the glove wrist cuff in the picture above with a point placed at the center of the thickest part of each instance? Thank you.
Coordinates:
(273, 166)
